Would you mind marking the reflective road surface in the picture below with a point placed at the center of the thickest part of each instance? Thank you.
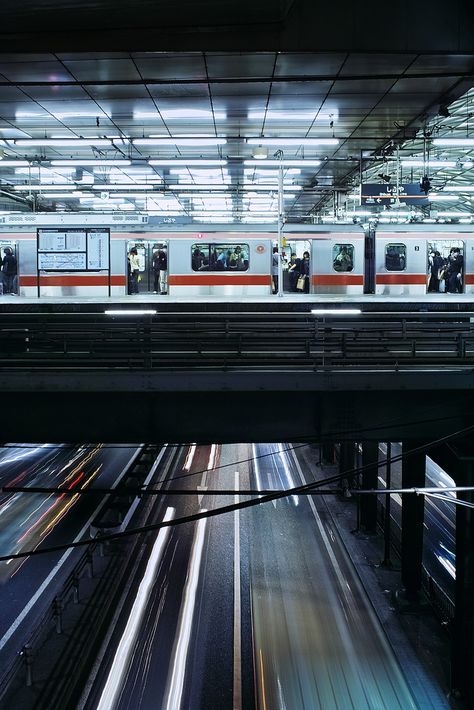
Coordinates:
(259, 608)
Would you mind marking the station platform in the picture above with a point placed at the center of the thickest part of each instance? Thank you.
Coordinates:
(370, 303)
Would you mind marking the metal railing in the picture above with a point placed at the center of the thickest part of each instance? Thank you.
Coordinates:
(243, 341)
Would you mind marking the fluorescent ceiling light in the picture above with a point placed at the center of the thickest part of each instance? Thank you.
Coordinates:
(192, 186)
(285, 163)
(454, 141)
(191, 163)
(14, 163)
(85, 163)
(179, 141)
(60, 142)
(214, 220)
(42, 187)
(276, 115)
(105, 187)
(130, 312)
(183, 113)
(453, 214)
(63, 195)
(336, 311)
(269, 188)
(439, 197)
(414, 163)
(136, 195)
(292, 141)
(454, 188)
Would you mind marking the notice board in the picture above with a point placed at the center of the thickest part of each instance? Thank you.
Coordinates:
(82, 249)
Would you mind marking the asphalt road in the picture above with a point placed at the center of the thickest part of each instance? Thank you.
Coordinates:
(29, 521)
(259, 608)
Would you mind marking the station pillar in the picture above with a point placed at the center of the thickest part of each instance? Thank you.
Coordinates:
(462, 653)
(368, 503)
(413, 475)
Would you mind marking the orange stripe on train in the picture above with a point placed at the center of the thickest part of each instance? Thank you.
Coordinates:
(219, 280)
(401, 279)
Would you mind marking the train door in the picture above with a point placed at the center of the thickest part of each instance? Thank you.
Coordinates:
(445, 266)
(149, 279)
(292, 256)
(9, 283)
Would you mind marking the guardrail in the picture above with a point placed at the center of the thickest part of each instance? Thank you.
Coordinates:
(71, 341)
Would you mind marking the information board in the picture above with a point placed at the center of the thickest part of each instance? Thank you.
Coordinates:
(73, 249)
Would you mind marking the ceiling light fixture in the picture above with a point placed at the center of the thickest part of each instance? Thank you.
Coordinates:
(284, 163)
(179, 141)
(466, 142)
(188, 163)
(292, 141)
(14, 164)
(105, 186)
(60, 142)
(91, 162)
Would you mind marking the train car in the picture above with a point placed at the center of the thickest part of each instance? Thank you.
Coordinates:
(236, 261)
(403, 261)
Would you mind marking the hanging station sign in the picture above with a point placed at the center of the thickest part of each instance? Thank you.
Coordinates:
(386, 194)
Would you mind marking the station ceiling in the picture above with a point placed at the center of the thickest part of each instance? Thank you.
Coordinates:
(330, 117)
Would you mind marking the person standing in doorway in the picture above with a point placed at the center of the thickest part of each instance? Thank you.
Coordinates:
(134, 270)
(275, 270)
(9, 271)
(163, 269)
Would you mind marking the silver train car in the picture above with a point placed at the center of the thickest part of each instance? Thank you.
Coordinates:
(393, 260)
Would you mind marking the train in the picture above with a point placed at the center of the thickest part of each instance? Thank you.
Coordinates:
(231, 261)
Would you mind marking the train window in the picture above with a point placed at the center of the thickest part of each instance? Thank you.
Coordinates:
(220, 257)
(343, 257)
(395, 257)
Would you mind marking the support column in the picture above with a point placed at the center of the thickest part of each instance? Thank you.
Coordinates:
(347, 463)
(462, 653)
(413, 474)
(368, 503)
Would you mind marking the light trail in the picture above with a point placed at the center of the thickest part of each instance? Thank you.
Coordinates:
(180, 650)
(125, 647)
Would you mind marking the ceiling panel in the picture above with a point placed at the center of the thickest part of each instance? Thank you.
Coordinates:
(102, 69)
(371, 65)
(51, 71)
(240, 65)
(306, 64)
(176, 67)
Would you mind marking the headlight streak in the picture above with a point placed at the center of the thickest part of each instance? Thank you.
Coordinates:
(189, 457)
(180, 650)
(126, 644)
(286, 469)
(53, 507)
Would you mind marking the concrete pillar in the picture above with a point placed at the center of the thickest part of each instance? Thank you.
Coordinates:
(462, 654)
(368, 503)
(347, 463)
(413, 474)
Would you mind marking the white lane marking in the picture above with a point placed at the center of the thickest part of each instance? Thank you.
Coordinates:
(189, 457)
(237, 694)
(202, 487)
(212, 457)
(26, 610)
(126, 644)
(180, 651)
(256, 468)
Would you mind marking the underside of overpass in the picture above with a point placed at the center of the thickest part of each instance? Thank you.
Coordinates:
(234, 407)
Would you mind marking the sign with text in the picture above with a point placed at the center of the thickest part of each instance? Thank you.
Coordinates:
(73, 249)
(386, 194)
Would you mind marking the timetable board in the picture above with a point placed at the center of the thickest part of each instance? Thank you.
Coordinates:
(73, 249)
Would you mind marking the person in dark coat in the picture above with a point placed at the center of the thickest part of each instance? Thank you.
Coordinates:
(9, 271)
(436, 263)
